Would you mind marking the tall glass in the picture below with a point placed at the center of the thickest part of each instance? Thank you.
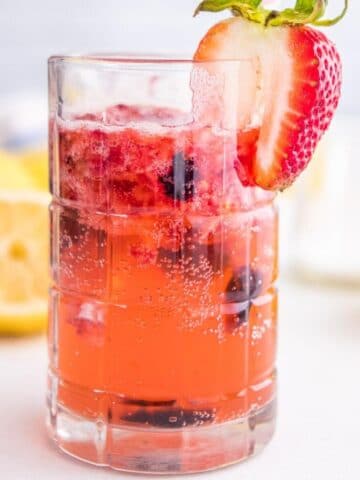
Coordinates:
(163, 306)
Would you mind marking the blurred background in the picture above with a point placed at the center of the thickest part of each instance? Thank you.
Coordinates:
(320, 236)
(32, 31)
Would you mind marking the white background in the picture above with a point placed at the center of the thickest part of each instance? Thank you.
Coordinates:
(31, 30)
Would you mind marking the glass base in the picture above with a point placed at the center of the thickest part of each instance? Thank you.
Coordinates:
(158, 450)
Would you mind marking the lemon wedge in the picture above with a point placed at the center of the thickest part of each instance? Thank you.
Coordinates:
(14, 175)
(35, 162)
(23, 261)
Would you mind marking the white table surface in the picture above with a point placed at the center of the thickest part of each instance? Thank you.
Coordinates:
(318, 434)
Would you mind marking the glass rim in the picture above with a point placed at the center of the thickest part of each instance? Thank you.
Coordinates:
(136, 59)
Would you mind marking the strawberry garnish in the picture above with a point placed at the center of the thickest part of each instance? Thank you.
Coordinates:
(290, 83)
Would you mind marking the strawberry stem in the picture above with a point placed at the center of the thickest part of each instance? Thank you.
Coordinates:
(333, 21)
(304, 12)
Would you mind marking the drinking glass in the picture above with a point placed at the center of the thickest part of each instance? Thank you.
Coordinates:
(163, 305)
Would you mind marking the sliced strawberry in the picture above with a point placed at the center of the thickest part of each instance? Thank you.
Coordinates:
(291, 130)
(286, 78)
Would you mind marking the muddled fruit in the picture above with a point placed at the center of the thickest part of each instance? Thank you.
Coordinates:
(124, 169)
(171, 418)
(179, 181)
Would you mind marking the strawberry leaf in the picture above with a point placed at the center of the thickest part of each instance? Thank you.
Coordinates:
(219, 5)
(304, 5)
(249, 9)
(333, 21)
(304, 12)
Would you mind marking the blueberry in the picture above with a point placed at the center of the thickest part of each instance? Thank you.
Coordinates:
(179, 181)
(170, 418)
(245, 284)
(243, 287)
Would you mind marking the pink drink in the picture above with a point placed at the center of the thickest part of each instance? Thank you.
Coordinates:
(163, 305)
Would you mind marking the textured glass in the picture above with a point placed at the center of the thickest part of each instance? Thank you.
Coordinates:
(163, 306)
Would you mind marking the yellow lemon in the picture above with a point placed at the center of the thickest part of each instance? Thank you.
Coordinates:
(23, 261)
(35, 163)
(13, 175)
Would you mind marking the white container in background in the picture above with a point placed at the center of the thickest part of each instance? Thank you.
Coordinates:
(325, 227)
